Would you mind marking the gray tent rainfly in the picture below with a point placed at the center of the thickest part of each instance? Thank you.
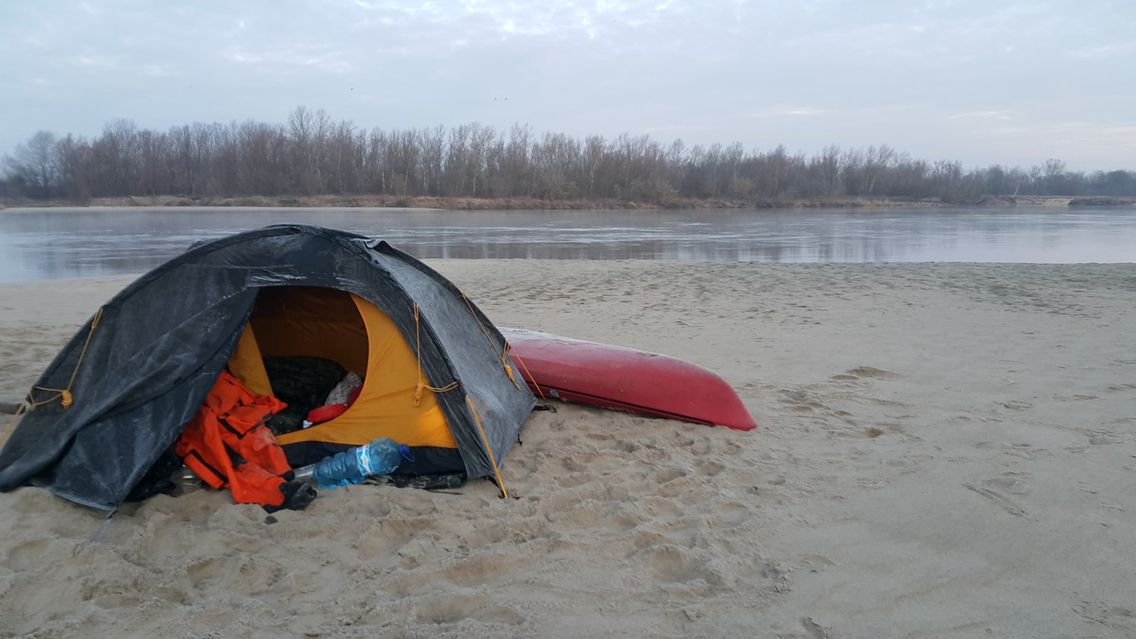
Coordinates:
(136, 373)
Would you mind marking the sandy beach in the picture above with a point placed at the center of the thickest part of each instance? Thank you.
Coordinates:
(942, 451)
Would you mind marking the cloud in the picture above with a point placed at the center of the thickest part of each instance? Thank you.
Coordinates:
(788, 112)
(327, 61)
(91, 61)
(155, 70)
(990, 115)
(1107, 50)
(766, 72)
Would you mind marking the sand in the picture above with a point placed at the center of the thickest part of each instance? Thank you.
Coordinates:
(943, 451)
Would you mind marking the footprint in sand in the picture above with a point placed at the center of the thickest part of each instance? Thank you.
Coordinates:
(27, 555)
(1110, 616)
(710, 469)
(1104, 438)
(668, 474)
(208, 570)
(800, 400)
(731, 515)
(454, 609)
(998, 498)
(480, 571)
(815, 630)
(388, 535)
(1010, 483)
(673, 564)
(115, 600)
(870, 372)
(813, 563)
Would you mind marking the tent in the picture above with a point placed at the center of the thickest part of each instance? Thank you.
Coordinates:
(435, 369)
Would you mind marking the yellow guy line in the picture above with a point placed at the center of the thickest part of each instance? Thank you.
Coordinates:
(503, 354)
(20, 410)
(525, 373)
(418, 388)
(64, 394)
(66, 399)
(488, 448)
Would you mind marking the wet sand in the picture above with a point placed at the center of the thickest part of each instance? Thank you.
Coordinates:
(943, 451)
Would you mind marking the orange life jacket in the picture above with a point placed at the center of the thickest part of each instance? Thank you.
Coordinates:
(228, 445)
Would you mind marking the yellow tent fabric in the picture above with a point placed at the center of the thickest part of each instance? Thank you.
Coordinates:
(247, 365)
(315, 322)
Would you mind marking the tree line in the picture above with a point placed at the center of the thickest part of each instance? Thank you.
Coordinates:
(310, 154)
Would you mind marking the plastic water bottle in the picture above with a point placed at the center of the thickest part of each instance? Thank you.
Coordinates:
(380, 457)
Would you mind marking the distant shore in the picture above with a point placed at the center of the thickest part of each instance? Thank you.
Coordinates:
(519, 203)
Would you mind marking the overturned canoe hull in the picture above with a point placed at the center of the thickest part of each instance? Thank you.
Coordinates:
(625, 379)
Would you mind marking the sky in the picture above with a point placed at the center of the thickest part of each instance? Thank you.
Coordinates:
(983, 82)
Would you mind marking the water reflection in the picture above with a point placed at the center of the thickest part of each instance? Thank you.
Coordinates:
(59, 243)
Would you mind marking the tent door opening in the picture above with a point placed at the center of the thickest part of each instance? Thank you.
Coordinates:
(300, 341)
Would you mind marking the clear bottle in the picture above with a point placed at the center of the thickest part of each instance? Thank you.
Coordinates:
(380, 457)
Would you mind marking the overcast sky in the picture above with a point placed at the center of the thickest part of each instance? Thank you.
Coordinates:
(985, 81)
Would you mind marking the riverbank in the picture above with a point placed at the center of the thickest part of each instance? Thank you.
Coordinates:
(474, 204)
(943, 450)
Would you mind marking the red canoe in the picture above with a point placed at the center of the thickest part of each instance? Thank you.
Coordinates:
(625, 379)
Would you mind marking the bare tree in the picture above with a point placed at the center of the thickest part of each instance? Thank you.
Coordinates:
(311, 154)
(36, 165)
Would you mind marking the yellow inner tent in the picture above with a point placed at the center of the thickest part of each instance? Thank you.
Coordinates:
(317, 322)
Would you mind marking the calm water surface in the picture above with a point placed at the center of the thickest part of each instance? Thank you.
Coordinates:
(37, 244)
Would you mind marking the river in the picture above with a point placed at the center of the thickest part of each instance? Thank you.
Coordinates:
(38, 244)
